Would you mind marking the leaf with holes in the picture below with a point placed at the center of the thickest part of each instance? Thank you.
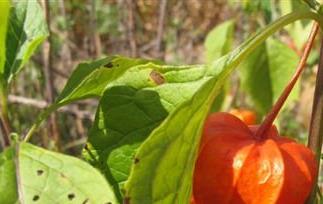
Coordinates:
(26, 31)
(46, 177)
(90, 78)
(129, 110)
(165, 160)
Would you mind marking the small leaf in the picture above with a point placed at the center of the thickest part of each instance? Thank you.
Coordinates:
(90, 78)
(48, 177)
(219, 40)
(265, 73)
(27, 29)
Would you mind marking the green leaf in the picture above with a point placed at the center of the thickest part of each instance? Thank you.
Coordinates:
(26, 31)
(219, 40)
(131, 107)
(4, 10)
(165, 161)
(266, 72)
(46, 177)
(90, 78)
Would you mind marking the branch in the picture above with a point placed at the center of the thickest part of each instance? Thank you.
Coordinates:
(49, 79)
(161, 22)
(41, 104)
(316, 126)
(131, 27)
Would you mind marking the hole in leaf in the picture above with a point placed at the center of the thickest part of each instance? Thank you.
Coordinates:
(136, 160)
(36, 197)
(40, 172)
(71, 196)
(109, 65)
(85, 201)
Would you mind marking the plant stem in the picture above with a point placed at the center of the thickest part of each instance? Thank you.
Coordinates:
(268, 122)
(39, 121)
(316, 128)
(4, 115)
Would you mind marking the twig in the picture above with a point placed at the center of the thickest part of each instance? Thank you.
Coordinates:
(131, 27)
(160, 29)
(96, 41)
(316, 126)
(41, 104)
(48, 64)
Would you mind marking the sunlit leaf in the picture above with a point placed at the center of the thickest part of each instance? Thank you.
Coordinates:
(46, 177)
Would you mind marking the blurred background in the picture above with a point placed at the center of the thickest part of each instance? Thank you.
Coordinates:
(177, 32)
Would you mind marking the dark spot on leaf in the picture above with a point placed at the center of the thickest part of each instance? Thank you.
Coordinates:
(62, 175)
(85, 201)
(108, 203)
(109, 65)
(136, 160)
(36, 197)
(40, 172)
(71, 196)
(126, 200)
(157, 77)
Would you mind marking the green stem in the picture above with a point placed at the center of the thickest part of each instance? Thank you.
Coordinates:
(248, 46)
(42, 116)
(4, 113)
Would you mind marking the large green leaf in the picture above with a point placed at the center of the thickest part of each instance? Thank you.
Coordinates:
(165, 161)
(41, 176)
(131, 107)
(26, 30)
(266, 72)
(90, 78)
(4, 10)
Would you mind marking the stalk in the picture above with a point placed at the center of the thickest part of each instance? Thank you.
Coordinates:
(4, 115)
(316, 127)
(268, 122)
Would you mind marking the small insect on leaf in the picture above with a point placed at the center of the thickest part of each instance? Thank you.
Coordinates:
(157, 77)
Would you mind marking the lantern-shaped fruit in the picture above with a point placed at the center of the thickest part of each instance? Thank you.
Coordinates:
(234, 166)
(247, 116)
